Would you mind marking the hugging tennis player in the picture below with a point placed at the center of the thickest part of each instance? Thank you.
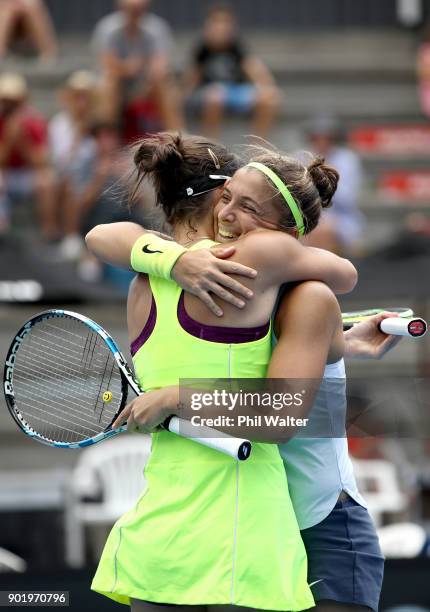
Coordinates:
(161, 326)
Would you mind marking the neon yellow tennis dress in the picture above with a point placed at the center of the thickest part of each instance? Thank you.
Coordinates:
(207, 529)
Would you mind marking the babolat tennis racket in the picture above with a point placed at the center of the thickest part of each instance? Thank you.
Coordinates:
(403, 325)
(65, 382)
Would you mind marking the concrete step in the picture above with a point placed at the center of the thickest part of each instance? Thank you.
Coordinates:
(353, 102)
(376, 54)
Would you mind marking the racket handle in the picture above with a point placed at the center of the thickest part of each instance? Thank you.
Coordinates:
(414, 328)
(235, 447)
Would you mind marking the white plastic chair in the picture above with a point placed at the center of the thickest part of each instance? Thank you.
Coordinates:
(378, 483)
(112, 470)
(402, 540)
(9, 562)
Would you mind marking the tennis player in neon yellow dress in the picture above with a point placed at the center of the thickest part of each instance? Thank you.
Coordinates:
(207, 530)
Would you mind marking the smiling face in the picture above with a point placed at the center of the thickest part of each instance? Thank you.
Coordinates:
(247, 203)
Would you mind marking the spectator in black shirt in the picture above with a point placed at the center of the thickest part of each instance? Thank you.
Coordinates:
(223, 76)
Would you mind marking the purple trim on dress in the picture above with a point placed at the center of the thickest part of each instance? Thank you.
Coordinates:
(146, 331)
(214, 333)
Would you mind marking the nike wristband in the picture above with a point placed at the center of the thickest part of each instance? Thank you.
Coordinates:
(154, 255)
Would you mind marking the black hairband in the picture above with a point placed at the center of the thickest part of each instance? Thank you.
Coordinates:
(200, 187)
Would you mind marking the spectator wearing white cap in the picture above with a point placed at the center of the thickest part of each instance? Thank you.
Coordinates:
(24, 154)
(73, 150)
(70, 128)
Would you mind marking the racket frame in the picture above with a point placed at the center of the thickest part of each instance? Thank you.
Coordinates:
(357, 316)
(236, 448)
(127, 378)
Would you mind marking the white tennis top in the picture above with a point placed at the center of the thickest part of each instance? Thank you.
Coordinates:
(319, 467)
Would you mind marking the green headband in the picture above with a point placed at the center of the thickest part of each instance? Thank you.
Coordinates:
(283, 190)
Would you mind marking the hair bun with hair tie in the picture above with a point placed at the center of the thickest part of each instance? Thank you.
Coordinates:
(325, 179)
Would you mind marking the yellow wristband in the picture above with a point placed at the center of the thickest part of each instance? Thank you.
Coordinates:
(154, 255)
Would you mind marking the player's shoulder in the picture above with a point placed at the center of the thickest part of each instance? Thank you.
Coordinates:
(314, 289)
(314, 298)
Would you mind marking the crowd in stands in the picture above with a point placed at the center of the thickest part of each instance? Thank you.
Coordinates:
(71, 165)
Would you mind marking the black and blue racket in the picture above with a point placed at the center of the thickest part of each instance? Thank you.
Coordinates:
(66, 381)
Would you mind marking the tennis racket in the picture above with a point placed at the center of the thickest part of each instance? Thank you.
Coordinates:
(403, 325)
(65, 382)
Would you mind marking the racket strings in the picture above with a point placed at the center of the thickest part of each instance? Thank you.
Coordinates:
(56, 368)
(62, 370)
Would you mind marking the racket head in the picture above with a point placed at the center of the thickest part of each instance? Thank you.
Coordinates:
(63, 381)
(352, 318)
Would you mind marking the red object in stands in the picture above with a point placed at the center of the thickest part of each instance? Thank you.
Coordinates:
(405, 186)
(140, 117)
(396, 140)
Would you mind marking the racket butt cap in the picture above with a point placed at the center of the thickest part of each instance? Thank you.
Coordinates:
(410, 327)
(244, 451)
(417, 328)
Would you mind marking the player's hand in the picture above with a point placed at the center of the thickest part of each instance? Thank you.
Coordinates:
(205, 271)
(366, 341)
(147, 412)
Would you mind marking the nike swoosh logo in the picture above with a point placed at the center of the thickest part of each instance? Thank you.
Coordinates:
(315, 582)
(146, 250)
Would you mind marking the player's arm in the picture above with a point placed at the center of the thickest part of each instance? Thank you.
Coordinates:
(277, 256)
(113, 242)
(128, 245)
(306, 322)
(200, 273)
(280, 258)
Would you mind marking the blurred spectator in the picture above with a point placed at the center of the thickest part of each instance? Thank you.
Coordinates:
(73, 149)
(104, 198)
(99, 196)
(27, 21)
(69, 130)
(341, 227)
(224, 77)
(133, 49)
(423, 73)
(24, 155)
(410, 12)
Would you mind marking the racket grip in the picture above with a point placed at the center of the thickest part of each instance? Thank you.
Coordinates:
(234, 447)
(414, 328)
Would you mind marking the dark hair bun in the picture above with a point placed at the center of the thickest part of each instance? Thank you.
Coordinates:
(325, 179)
(161, 159)
(158, 154)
